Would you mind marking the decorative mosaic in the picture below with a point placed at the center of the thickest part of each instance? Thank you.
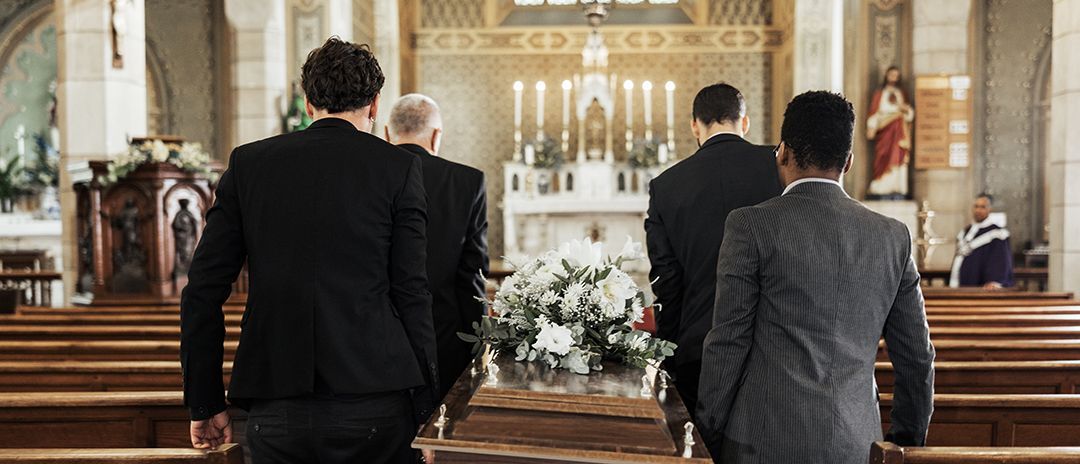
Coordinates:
(1017, 38)
(452, 13)
(476, 96)
(741, 12)
(619, 39)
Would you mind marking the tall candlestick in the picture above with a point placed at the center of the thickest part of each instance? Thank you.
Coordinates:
(669, 89)
(20, 139)
(628, 86)
(646, 92)
(540, 87)
(518, 88)
(566, 86)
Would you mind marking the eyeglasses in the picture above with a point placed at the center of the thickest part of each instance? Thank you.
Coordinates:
(776, 151)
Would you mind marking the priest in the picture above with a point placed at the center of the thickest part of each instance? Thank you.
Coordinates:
(983, 255)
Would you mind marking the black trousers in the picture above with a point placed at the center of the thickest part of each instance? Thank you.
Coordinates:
(374, 428)
(686, 377)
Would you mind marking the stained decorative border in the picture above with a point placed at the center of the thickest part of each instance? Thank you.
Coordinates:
(668, 39)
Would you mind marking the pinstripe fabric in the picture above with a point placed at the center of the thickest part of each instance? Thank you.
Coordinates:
(806, 285)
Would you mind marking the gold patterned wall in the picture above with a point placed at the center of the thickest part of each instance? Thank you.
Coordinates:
(364, 21)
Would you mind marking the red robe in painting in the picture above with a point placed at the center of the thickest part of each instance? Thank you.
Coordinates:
(892, 141)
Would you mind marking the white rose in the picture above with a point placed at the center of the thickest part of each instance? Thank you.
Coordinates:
(617, 287)
(159, 152)
(554, 339)
(631, 250)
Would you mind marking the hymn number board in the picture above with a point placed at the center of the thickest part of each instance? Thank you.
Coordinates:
(942, 122)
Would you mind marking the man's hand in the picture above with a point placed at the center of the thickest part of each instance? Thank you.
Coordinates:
(429, 456)
(213, 432)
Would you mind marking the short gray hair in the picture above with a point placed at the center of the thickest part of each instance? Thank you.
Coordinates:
(414, 113)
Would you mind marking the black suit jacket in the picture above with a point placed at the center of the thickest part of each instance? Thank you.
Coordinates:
(457, 256)
(688, 204)
(332, 223)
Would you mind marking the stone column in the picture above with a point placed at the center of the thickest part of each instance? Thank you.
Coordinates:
(940, 46)
(340, 14)
(258, 87)
(1064, 172)
(819, 45)
(388, 52)
(101, 103)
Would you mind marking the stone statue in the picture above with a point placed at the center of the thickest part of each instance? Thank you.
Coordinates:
(119, 30)
(184, 229)
(129, 261)
(889, 126)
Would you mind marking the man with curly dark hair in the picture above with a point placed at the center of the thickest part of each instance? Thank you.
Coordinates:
(337, 356)
(807, 283)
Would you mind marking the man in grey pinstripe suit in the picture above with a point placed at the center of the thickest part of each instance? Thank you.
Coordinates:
(807, 283)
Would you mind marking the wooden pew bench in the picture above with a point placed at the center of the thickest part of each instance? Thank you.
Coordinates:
(983, 303)
(888, 453)
(99, 420)
(1016, 377)
(1000, 420)
(98, 332)
(52, 376)
(109, 350)
(225, 454)
(1003, 320)
(114, 310)
(993, 333)
(998, 350)
(980, 310)
(980, 294)
(171, 320)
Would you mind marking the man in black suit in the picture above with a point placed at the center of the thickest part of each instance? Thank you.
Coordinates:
(337, 353)
(688, 205)
(457, 258)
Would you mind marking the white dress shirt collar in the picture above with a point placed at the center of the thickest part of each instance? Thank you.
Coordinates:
(812, 179)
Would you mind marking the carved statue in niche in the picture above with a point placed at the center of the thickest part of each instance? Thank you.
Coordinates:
(129, 261)
(184, 228)
(119, 30)
(889, 127)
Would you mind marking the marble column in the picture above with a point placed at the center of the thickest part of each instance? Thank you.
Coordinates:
(1064, 172)
(258, 86)
(940, 46)
(101, 103)
(388, 52)
(340, 13)
(819, 45)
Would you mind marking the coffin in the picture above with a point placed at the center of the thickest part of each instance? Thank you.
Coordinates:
(522, 412)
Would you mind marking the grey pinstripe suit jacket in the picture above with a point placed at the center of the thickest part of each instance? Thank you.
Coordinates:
(807, 283)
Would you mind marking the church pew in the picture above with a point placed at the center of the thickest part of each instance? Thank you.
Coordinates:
(99, 420)
(978, 310)
(1012, 377)
(55, 376)
(1000, 350)
(1002, 302)
(935, 293)
(89, 350)
(226, 454)
(102, 319)
(1003, 333)
(888, 453)
(99, 332)
(1003, 320)
(113, 310)
(1000, 420)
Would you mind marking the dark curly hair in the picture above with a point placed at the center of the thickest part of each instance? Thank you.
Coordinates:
(719, 103)
(341, 76)
(818, 128)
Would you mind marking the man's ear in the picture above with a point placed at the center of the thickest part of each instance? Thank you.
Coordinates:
(783, 156)
(695, 129)
(386, 130)
(310, 110)
(373, 109)
(436, 140)
(745, 124)
(847, 164)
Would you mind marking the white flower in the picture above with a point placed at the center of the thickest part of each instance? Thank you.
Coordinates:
(631, 250)
(159, 152)
(554, 338)
(549, 298)
(583, 253)
(575, 360)
(617, 287)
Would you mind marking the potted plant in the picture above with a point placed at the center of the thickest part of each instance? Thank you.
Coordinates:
(10, 183)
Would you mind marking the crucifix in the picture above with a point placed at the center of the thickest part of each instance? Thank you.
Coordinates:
(118, 18)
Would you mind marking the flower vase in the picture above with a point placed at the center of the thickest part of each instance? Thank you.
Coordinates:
(7, 205)
(544, 183)
(50, 204)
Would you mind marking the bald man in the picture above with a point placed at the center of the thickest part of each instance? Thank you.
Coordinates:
(457, 258)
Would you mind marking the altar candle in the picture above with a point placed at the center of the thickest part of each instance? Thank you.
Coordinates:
(662, 154)
(20, 137)
(518, 87)
(628, 86)
(646, 92)
(669, 89)
(540, 87)
(530, 155)
(566, 86)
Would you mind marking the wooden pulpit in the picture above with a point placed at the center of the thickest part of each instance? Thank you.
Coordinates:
(135, 237)
(526, 412)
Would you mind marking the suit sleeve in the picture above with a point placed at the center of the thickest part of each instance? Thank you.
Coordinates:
(409, 286)
(728, 343)
(907, 337)
(666, 273)
(473, 264)
(999, 265)
(214, 267)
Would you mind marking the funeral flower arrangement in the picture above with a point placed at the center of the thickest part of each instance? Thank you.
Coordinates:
(572, 308)
(187, 156)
